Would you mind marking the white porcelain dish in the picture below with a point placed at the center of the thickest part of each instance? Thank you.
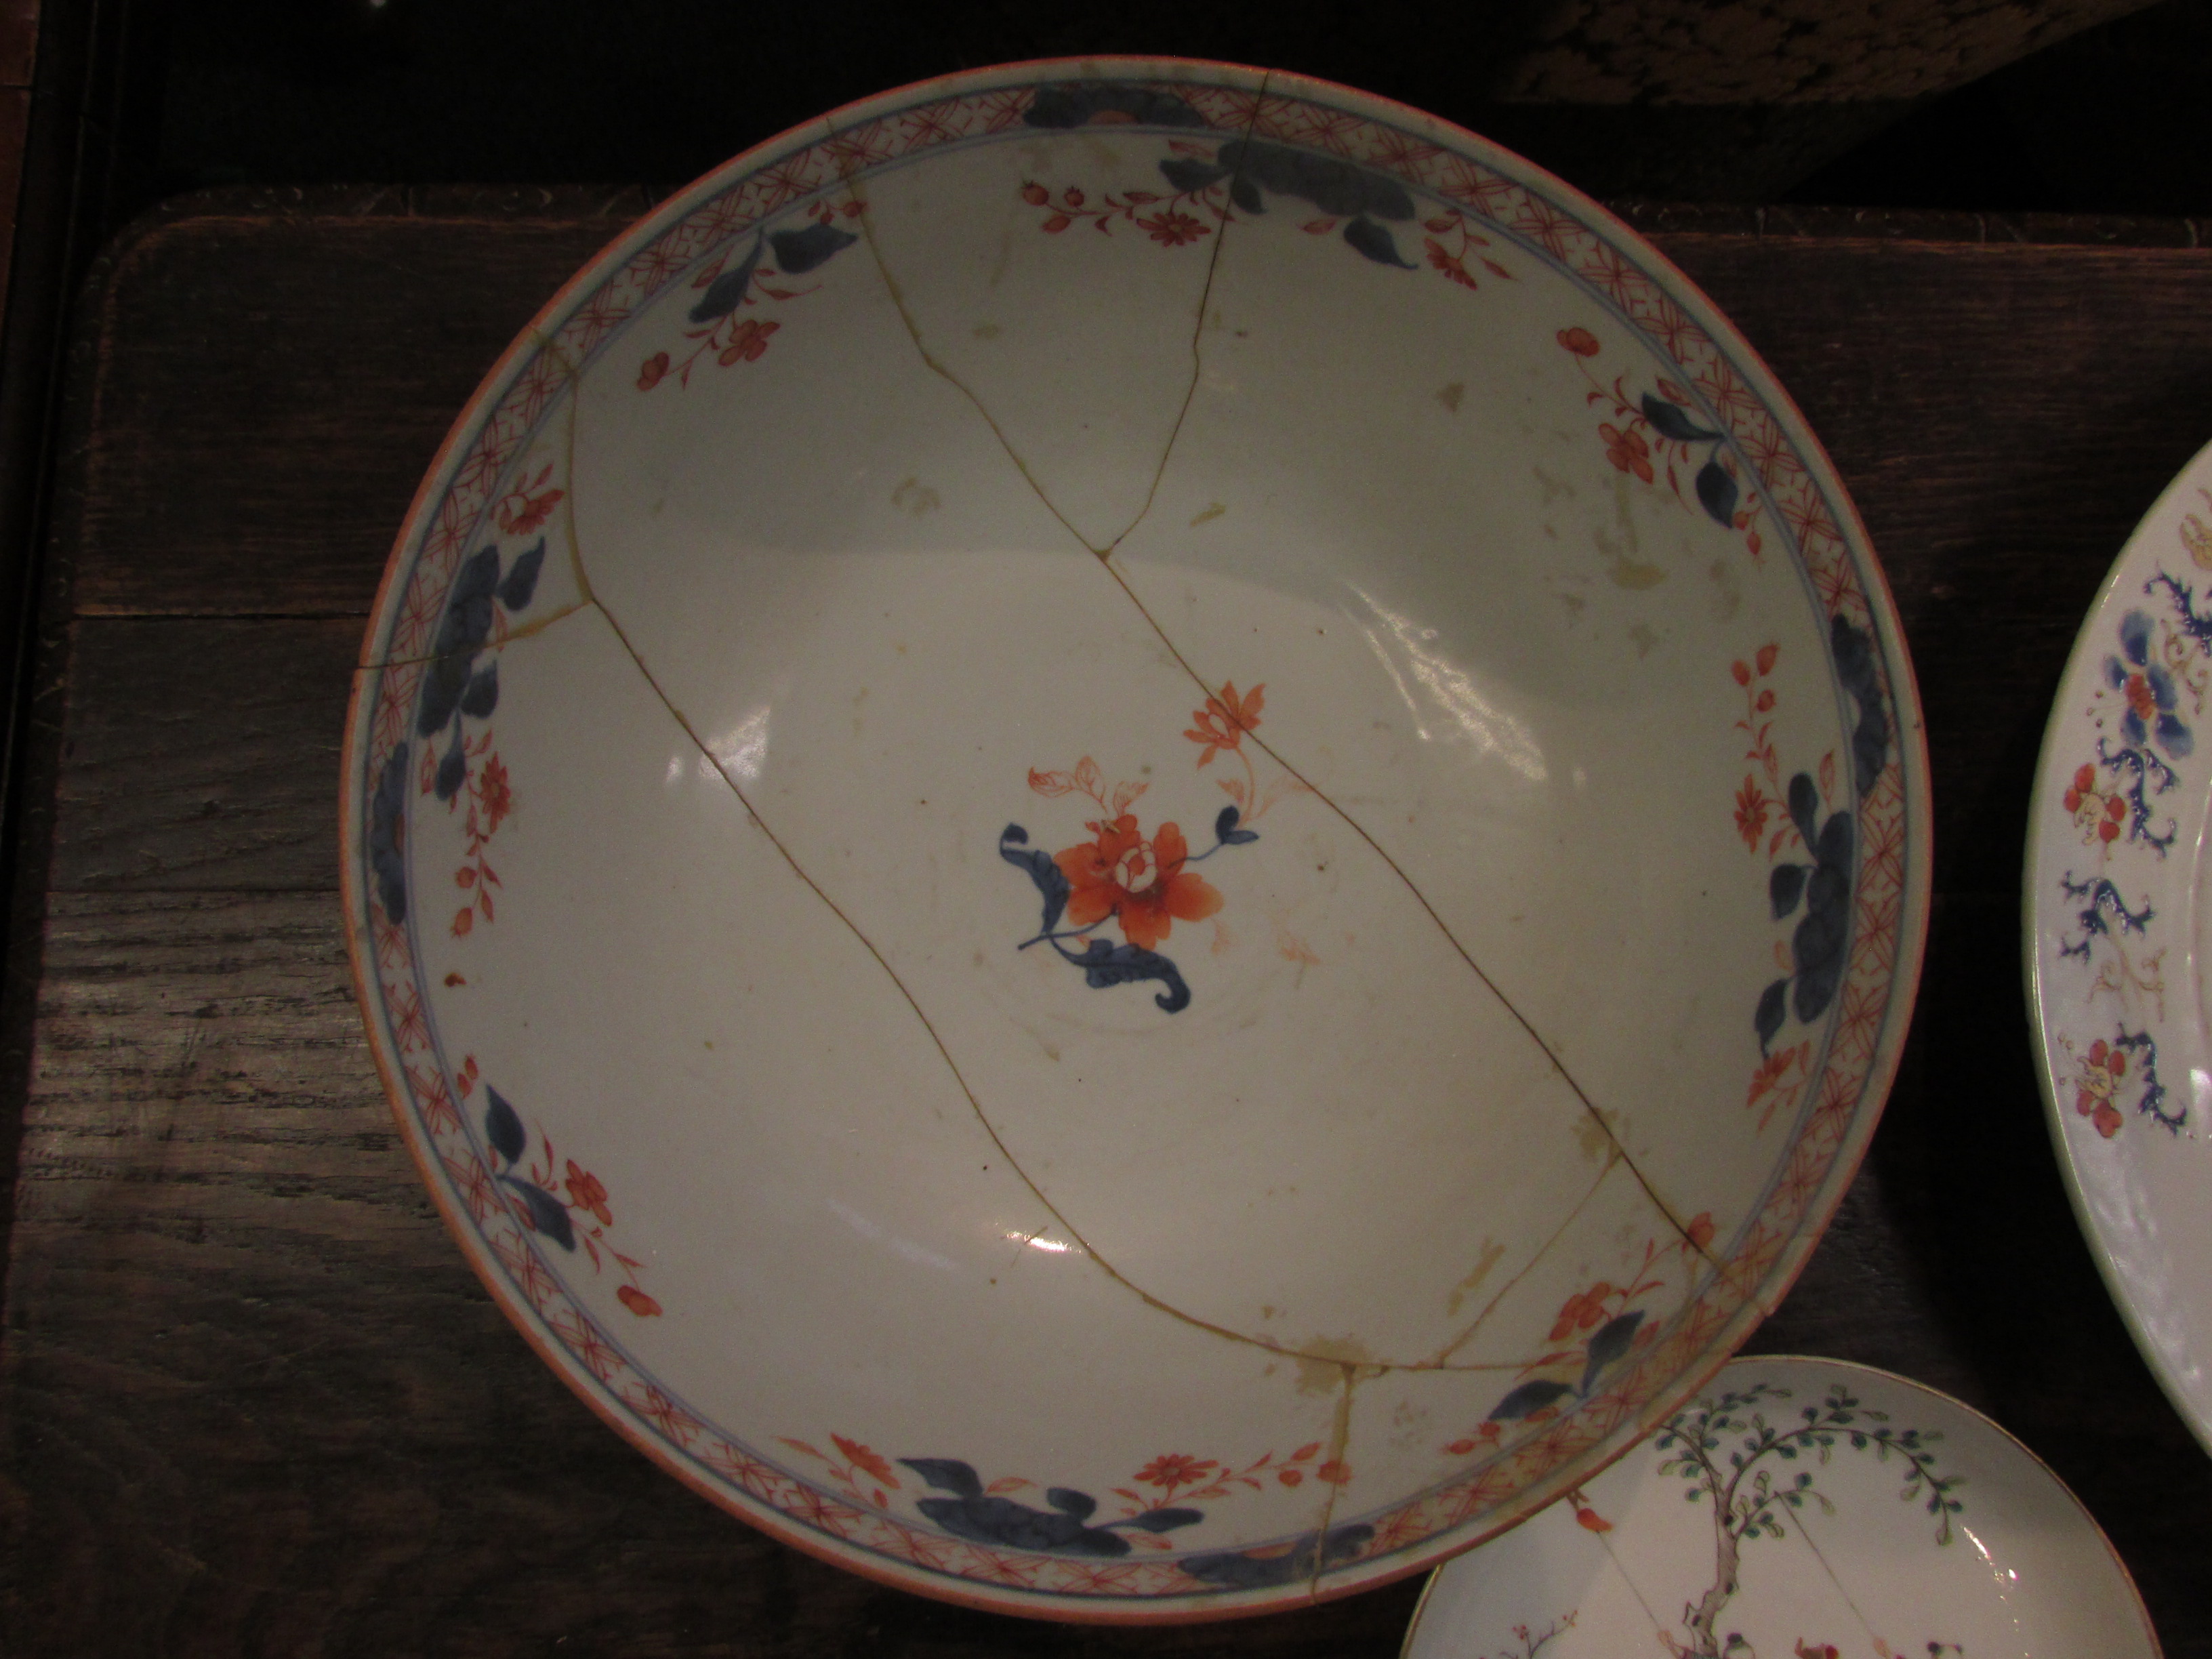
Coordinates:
(1133, 841)
(1865, 1516)
(2116, 921)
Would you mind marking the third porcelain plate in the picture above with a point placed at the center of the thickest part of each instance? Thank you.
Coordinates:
(2117, 918)
(1800, 1509)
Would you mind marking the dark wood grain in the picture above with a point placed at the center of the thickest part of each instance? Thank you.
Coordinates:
(251, 1400)
(18, 41)
(201, 753)
(327, 350)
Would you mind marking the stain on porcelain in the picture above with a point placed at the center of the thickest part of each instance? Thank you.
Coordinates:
(1066, 901)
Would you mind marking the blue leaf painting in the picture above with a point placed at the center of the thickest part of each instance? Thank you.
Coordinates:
(451, 685)
(1226, 832)
(1716, 492)
(519, 585)
(1805, 808)
(947, 1474)
(1773, 1009)
(1376, 243)
(1069, 1501)
(2135, 637)
(453, 769)
(1335, 187)
(1051, 882)
(482, 695)
(504, 1127)
(387, 810)
(1853, 653)
(1188, 173)
(1784, 887)
(1608, 1345)
(1671, 420)
(1107, 965)
(467, 622)
(727, 291)
(1256, 169)
(547, 1213)
(1818, 945)
(1002, 1521)
(1530, 1396)
(797, 252)
(444, 681)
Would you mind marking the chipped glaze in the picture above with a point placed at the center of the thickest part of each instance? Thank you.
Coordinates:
(1197, 820)
(1806, 1508)
(2114, 924)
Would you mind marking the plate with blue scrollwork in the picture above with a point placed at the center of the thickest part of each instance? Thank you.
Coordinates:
(1804, 1507)
(1133, 840)
(2116, 935)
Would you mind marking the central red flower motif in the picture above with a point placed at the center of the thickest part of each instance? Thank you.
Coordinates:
(1142, 883)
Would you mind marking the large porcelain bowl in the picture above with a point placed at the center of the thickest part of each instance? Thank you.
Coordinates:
(1133, 840)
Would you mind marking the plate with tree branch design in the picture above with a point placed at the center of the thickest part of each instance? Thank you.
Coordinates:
(1133, 840)
(2115, 915)
(1806, 1507)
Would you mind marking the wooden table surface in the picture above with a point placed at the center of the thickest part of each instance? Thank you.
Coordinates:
(252, 1400)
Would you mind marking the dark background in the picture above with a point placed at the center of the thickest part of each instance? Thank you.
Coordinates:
(2096, 106)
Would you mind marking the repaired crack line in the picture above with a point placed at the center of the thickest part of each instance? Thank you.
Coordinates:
(1339, 1444)
(1190, 391)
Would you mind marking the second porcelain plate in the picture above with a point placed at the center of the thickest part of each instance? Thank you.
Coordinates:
(1133, 840)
